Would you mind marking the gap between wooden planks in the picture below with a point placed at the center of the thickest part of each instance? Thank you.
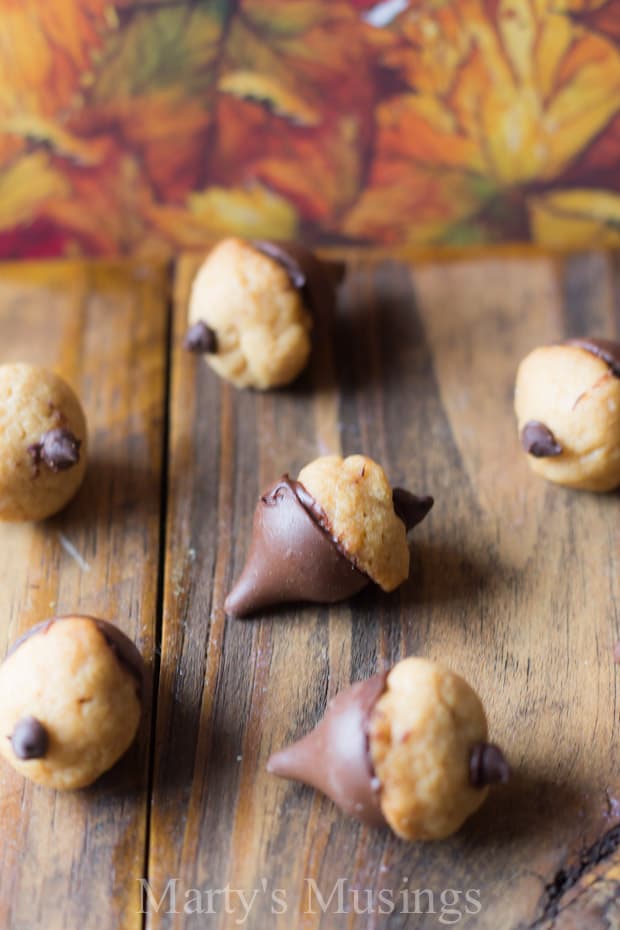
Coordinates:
(417, 371)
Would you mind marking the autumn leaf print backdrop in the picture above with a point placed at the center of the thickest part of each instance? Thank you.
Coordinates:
(147, 126)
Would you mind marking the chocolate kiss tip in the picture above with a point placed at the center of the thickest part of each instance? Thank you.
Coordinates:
(487, 765)
(538, 440)
(200, 339)
(286, 762)
(243, 600)
(410, 508)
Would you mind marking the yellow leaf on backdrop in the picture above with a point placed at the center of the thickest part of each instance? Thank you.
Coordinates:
(576, 218)
(252, 212)
(26, 186)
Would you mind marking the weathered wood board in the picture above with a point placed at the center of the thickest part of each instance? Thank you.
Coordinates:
(70, 860)
(515, 583)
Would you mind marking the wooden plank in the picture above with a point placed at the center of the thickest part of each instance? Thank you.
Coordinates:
(514, 584)
(73, 859)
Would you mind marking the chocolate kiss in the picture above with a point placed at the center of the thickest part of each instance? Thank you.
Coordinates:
(291, 558)
(335, 758)
(605, 349)
(538, 440)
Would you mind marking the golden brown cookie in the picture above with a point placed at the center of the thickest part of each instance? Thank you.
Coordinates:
(251, 310)
(406, 748)
(567, 401)
(356, 498)
(42, 443)
(70, 701)
(327, 535)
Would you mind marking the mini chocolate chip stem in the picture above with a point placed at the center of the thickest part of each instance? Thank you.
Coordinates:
(200, 339)
(29, 739)
(252, 308)
(43, 443)
(70, 700)
(567, 401)
(487, 765)
(326, 536)
(538, 440)
(407, 749)
(59, 449)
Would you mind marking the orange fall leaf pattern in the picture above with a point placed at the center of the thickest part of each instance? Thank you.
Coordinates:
(141, 127)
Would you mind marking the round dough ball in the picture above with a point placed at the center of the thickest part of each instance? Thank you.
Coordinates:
(70, 701)
(42, 443)
(567, 401)
(257, 325)
(356, 498)
(421, 734)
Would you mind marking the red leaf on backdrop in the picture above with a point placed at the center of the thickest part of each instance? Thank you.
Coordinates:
(40, 239)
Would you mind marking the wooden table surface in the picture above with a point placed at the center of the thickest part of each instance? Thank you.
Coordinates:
(515, 584)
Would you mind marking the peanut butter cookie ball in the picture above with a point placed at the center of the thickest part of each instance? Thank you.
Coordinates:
(70, 701)
(406, 748)
(42, 443)
(251, 310)
(327, 535)
(567, 401)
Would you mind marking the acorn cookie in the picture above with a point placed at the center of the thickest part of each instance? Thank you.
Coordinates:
(567, 401)
(70, 700)
(251, 310)
(327, 535)
(407, 748)
(42, 443)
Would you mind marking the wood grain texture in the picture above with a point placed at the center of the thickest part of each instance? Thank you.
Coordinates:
(514, 583)
(71, 860)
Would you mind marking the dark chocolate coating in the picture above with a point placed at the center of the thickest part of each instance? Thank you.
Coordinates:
(291, 558)
(410, 508)
(487, 765)
(605, 349)
(125, 651)
(315, 278)
(59, 449)
(538, 440)
(200, 339)
(29, 739)
(335, 756)
(284, 257)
